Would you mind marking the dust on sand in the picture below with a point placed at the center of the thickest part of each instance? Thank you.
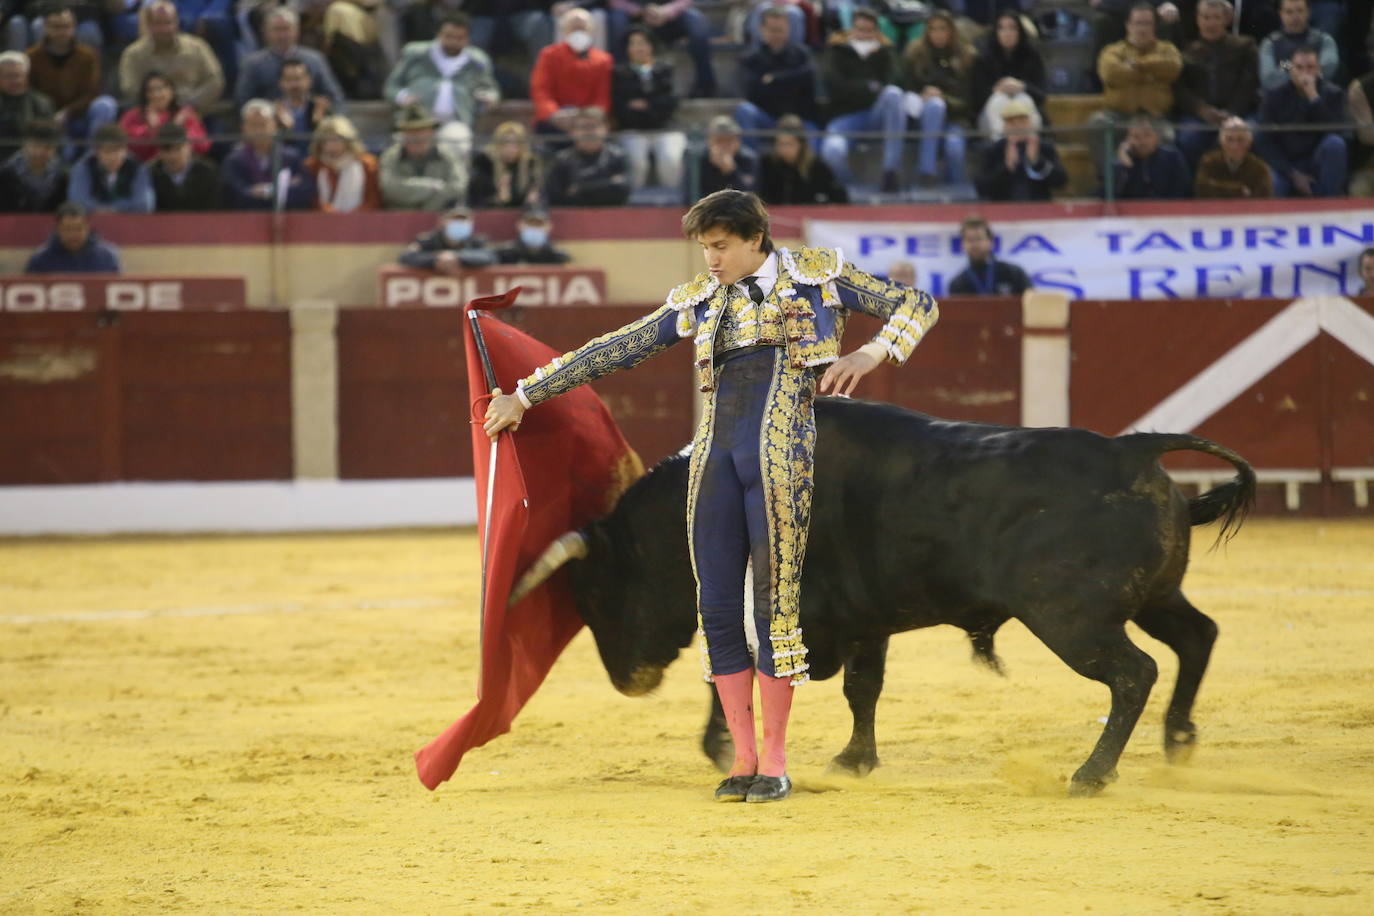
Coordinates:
(219, 725)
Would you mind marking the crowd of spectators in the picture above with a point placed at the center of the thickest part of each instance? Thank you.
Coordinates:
(245, 105)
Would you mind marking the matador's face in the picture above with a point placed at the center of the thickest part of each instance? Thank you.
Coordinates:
(730, 258)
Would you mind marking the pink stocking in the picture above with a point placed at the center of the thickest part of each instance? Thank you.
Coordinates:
(776, 696)
(736, 693)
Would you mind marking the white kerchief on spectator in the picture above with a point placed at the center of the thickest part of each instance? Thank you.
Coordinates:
(346, 195)
(283, 188)
(448, 68)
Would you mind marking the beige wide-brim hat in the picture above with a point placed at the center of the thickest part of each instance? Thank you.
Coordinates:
(415, 117)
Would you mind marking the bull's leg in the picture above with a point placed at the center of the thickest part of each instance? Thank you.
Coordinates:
(1103, 654)
(1190, 633)
(716, 742)
(863, 683)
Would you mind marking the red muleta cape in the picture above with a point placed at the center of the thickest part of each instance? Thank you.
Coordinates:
(566, 466)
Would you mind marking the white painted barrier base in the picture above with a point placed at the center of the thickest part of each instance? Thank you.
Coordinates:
(249, 506)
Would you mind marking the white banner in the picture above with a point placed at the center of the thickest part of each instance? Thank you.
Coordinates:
(1278, 255)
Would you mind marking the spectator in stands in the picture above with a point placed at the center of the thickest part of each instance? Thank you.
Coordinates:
(182, 181)
(211, 20)
(779, 79)
(260, 72)
(68, 73)
(670, 22)
(109, 178)
(1359, 97)
(26, 22)
(1220, 79)
(939, 70)
(1232, 170)
(569, 76)
(1138, 74)
(19, 102)
(1110, 20)
(1022, 165)
(1008, 69)
(416, 173)
(1277, 50)
(300, 109)
(643, 102)
(260, 173)
(158, 105)
(184, 59)
(506, 173)
(985, 274)
(726, 162)
(903, 272)
(1146, 169)
(592, 172)
(1366, 268)
(1305, 162)
(346, 178)
(793, 174)
(526, 20)
(352, 45)
(532, 244)
(860, 70)
(452, 78)
(451, 247)
(32, 180)
(74, 247)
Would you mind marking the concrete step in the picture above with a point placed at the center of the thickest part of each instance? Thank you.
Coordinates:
(1072, 109)
(1078, 162)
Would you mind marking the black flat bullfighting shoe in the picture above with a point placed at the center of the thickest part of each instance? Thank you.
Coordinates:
(769, 789)
(734, 788)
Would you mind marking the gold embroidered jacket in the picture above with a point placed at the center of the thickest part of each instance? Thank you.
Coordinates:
(805, 312)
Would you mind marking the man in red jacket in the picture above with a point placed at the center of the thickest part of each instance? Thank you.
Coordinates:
(569, 75)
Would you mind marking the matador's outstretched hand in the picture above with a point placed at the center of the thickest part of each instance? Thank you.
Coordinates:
(505, 410)
(845, 372)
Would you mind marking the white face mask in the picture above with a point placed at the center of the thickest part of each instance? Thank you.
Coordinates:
(579, 41)
(864, 48)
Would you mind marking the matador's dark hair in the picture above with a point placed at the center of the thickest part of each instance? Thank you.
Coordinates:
(739, 213)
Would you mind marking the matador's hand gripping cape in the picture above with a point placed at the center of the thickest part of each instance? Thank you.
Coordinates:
(566, 466)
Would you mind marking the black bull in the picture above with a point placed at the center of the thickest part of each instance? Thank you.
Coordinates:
(918, 521)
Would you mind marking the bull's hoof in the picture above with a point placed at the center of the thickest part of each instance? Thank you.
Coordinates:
(1179, 745)
(1086, 786)
(853, 764)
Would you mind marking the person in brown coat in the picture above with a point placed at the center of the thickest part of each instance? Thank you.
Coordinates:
(68, 73)
(1232, 170)
(1138, 74)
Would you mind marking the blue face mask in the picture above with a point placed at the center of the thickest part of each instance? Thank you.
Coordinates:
(458, 230)
(533, 237)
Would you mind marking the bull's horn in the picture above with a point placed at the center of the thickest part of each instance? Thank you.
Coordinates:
(571, 546)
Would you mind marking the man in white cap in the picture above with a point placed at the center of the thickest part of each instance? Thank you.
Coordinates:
(1022, 165)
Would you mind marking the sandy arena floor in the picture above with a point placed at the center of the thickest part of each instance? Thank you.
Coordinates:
(225, 725)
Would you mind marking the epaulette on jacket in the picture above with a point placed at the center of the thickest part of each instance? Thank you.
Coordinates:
(812, 266)
(693, 291)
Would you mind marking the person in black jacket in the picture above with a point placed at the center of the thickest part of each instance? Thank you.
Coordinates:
(985, 274)
(1305, 162)
(33, 179)
(532, 245)
(1007, 69)
(779, 78)
(592, 172)
(507, 173)
(1220, 80)
(792, 174)
(726, 163)
(1146, 170)
(861, 71)
(643, 103)
(1022, 165)
(181, 180)
(450, 247)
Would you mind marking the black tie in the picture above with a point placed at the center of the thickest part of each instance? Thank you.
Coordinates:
(755, 292)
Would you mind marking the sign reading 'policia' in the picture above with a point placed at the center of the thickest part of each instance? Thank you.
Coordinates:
(402, 287)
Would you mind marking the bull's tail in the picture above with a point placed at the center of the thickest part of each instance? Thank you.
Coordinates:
(1230, 502)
